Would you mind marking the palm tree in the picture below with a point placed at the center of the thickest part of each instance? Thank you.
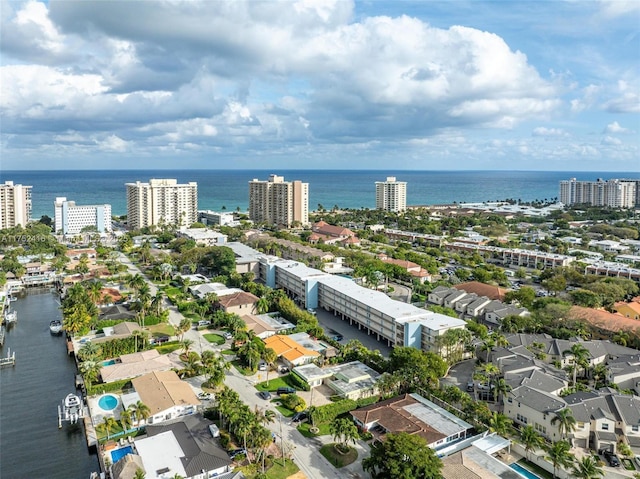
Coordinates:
(89, 351)
(587, 468)
(530, 439)
(140, 411)
(186, 345)
(580, 358)
(140, 474)
(262, 306)
(500, 424)
(156, 303)
(90, 370)
(125, 420)
(183, 327)
(565, 421)
(343, 431)
(108, 423)
(558, 455)
(501, 388)
(269, 356)
(94, 291)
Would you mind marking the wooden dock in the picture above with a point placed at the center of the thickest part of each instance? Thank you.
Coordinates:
(10, 360)
(90, 431)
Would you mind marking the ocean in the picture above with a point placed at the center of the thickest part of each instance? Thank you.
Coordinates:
(228, 190)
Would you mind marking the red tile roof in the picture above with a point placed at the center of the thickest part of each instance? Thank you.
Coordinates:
(482, 289)
(604, 320)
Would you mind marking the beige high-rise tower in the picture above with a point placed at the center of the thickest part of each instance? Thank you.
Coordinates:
(391, 195)
(15, 205)
(279, 202)
(161, 202)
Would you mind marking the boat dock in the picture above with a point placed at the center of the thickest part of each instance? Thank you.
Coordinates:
(10, 360)
(90, 432)
(1, 336)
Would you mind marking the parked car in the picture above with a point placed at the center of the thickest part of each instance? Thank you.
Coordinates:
(285, 390)
(611, 458)
(237, 452)
(203, 323)
(227, 335)
(299, 416)
(470, 386)
(265, 395)
(283, 370)
(204, 396)
(161, 340)
(262, 366)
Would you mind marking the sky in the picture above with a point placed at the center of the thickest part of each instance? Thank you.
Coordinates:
(320, 84)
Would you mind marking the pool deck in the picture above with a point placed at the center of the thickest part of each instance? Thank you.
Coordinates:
(98, 414)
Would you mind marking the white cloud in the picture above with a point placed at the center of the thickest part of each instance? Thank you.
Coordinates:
(616, 8)
(550, 132)
(611, 141)
(615, 127)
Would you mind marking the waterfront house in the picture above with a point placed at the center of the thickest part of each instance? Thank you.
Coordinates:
(136, 364)
(183, 447)
(165, 394)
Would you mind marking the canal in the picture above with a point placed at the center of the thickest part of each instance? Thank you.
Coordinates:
(31, 445)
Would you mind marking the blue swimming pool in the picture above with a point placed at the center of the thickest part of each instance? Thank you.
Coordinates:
(118, 454)
(108, 402)
(523, 472)
(108, 363)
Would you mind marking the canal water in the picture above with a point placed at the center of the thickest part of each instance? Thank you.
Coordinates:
(31, 445)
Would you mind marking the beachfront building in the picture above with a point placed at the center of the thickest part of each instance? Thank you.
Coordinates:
(203, 236)
(15, 205)
(279, 202)
(161, 201)
(615, 193)
(391, 195)
(71, 219)
(214, 218)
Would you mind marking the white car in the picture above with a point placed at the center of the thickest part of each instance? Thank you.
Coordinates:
(204, 395)
(638, 460)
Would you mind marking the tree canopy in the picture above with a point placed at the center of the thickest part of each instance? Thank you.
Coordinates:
(402, 456)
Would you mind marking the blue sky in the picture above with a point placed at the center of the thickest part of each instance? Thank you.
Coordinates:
(527, 85)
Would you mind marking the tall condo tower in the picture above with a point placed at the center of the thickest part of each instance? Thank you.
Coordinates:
(391, 195)
(71, 219)
(279, 202)
(15, 205)
(161, 201)
(615, 193)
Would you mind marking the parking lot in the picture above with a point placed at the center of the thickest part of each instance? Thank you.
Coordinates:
(328, 321)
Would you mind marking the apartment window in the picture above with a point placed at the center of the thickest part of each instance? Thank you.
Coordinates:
(605, 426)
(634, 428)
(510, 400)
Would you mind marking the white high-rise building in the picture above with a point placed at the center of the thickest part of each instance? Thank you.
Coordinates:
(614, 193)
(71, 219)
(391, 195)
(279, 202)
(15, 205)
(161, 201)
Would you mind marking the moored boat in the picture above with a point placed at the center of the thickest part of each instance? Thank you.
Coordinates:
(71, 410)
(11, 316)
(55, 326)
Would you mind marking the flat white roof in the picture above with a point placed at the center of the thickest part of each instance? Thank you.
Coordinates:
(159, 452)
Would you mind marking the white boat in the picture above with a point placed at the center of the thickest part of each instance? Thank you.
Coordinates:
(71, 410)
(11, 316)
(55, 326)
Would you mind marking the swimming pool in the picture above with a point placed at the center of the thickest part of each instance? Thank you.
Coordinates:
(108, 402)
(523, 472)
(108, 363)
(118, 454)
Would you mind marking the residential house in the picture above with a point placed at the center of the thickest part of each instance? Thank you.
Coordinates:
(525, 405)
(289, 351)
(482, 289)
(413, 414)
(182, 447)
(330, 234)
(165, 394)
(628, 310)
(265, 325)
(603, 320)
(137, 364)
(239, 303)
(203, 236)
(353, 380)
(121, 330)
(415, 270)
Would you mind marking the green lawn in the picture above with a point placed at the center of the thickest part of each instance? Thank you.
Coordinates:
(278, 470)
(228, 352)
(161, 329)
(284, 411)
(169, 347)
(214, 338)
(337, 459)
(304, 429)
(275, 383)
(242, 369)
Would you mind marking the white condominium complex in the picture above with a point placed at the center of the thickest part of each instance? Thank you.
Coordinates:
(160, 202)
(15, 205)
(71, 219)
(391, 195)
(279, 202)
(614, 193)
